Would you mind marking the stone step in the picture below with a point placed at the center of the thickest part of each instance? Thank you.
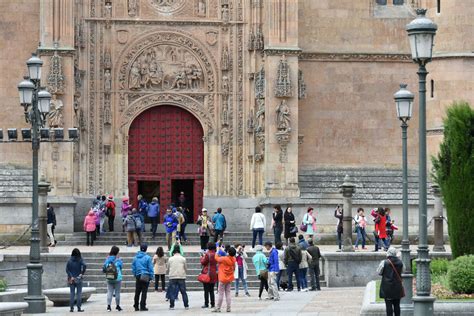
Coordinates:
(353, 172)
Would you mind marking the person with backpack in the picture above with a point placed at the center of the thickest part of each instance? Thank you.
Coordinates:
(177, 276)
(391, 287)
(220, 225)
(142, 209)
(170, 222)
(309, 221)
(112, 268)
(90, 227)
(153, 215)
(257, 226)
(75, 270)
(338, 213)
(292, 260)
(142, 269)
(313, 267)
(124, 210)
(226, 277)
(178, 212)
(130, 227)
(159, 268)
(360, 225)
(110, 212)
(139, 225)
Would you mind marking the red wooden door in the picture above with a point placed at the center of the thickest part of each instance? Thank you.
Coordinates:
(165, 143)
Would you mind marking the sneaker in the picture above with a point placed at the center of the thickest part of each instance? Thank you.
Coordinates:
(118, 308)
(269, 298)
(80, 310)
(109, 309)
(144, 309)
(304, 290)
(204, 306)
(171, 308)
(71, 310)
(228, 309)
(247, 294)
(216, 310)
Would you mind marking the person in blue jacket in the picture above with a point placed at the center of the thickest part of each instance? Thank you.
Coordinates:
(170, 221)
(75, 269)
(219, 225)
(142, 269)
(142, 209)
(113, 285)
(273, 270)
(153, 213)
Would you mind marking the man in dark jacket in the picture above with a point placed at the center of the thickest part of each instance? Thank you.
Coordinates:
(391, 288)
(142, 269)
(292, 260)
(51, 223)
(314, 265)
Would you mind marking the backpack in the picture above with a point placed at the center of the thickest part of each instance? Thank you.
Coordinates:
(111, 272)
(138, 222)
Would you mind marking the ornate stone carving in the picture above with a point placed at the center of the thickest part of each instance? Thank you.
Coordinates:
(122, 36)
(259, 41)
(107, 9)
(55, 115)
(107, 111)
(225, 140)
(250, 123)
(251, 41)
(355, 57)
(283, 117)
(165, 61)
(260, 116)
(201, 8)
(283, 138)
(56, 76)
(225, 110)
(260, 84)
(283, 88)
(225, 58)
(107, 59)
(79, 34)
(225, 14)
(225, 84)
(167, 6)
(301, 85)
(107, 80)
(132, 8)
(211, 37)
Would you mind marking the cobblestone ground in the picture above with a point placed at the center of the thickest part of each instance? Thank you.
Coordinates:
(328, 302)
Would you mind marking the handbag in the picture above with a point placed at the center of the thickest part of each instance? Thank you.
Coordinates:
(263, 274)
(145, 278)
(293, 230)
(398, 276)
(205, 278)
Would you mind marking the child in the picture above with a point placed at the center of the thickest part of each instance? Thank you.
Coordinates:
(159, 265)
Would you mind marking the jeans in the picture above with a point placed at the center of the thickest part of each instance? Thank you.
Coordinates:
(217, 233)
(278, 277)
(113, 288)
(50, 233)
(277, 232)
(393, 307)
(224, 289)
(90, 238)
(380, 242)
(244, 281)
(140, 288)
(360, 236)
(154, 225)
(182, 233)
(157, 281)
(209, 293)
(339, 240)
(314, 275)
(111, 223)
(263, 284)
(293, 268)
(179, 285)
(75, 294)
(273, 285)
(259, 232)
(102, 222)
(302, 276)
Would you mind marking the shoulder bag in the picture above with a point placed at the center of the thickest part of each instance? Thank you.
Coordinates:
(206, 278)
(304, 226)
(398, 276)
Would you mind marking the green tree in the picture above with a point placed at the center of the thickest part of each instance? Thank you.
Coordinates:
(453, 170)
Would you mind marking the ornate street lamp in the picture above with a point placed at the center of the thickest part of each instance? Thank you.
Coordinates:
(404, 101)
(421, 32)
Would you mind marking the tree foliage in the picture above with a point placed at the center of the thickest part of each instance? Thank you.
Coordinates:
(453, 170)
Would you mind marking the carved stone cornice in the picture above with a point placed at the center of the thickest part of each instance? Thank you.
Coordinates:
(278, 51)
(435, 131)
(200, 22)
(61, 51)
(358, 57)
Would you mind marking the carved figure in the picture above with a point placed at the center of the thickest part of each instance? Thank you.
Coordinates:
(260, 84)
(225, 83)
(202, 7)
(107, 80)
(283, 86)
(56, 76)
(225, 59)
(251, 42)
(259, 42)
(260, 116)
(225, 138)
(225, 14)
(179, 80)
(108, 9)
(135, 77)
(107, 59)
(132, 7)
(283, 117)
(156, 74)
(55, 115)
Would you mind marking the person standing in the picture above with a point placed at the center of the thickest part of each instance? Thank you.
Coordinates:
(177, 276)
(182, 201)
(361, 224)
(153, 213)
(290, 225)
(303, 269)
(129, 227)
(51, 223)
(75, 269)
(110, 212)
(225, 276)
(112, 267)
(292, 260)
(338, 213)
(90, 227)
(188, 217)
(257, 226)
(181, 221)
(209, 266)
(302, 243)
(391, 288)
(310, 221)
(277, 223)
(219, 225)
(273, 270)
(124, 210)
(142, 209)
(170, 222)
(241, 268)
(142, 270)
(203, 228)
(139, 225)
(260, 262)
(159, 268)
(313, 267)
(281, 263)
(380, 229)
(102, 212)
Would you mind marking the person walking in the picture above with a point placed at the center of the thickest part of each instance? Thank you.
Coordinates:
(177, 277)
(360, 224)
(313, 267)
(188, 218)
(273, 270)
(225, 276)
(380, 229)
(110, 212)
(203, 229)
(338, 213)
(277, 223)
(220, 225)
(170, 222)
(310, 221)
(281, 263)
(241, 268)
(130, 227)
(75, 270)
(257, 226)
(181, 221)
(391, 288)
(303, 269)
(90, 227)
(51, 223)
(125, 208)
(153, 215)
(260, 262)
(142, 270)
(292, 259)
(159, 268)
(290, 224)
(112, 268)
(209, 267)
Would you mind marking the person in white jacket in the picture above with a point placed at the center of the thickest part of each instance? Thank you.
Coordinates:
(257, 226)
(241, 267)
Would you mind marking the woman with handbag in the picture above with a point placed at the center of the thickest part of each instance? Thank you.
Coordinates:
(260, 262)
(309, 222)
(203, 228)
(391, 288)
(208, 276)
(290, 226)
(75, 269)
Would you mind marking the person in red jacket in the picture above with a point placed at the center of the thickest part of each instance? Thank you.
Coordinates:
(209, 266)
(380, 228)
(89, 227)
(110, 212)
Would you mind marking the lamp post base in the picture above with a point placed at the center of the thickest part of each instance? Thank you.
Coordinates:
(36, 304)
(406, 309)
(424, 305)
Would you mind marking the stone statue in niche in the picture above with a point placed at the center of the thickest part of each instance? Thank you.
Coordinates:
(135, 81)
(225, 59)
(179, 80)
(260, 84)
(301, 85)
(259, 42)
(201, 7)
(107, 59)
(260, 116)
(225, 14)
(283, 117)
(108, 9)
(132, 7)
(225, 112)
(283, 86)
(225, 139)
(107, 80)
(55, 115)
(250, 123)
(225, 84)
(251, 41)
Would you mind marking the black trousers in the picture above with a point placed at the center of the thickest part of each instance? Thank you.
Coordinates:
(393, 307)
(140, 288)
(209, 293)
(111, 223)
(204, 240)
(263, 284)
(90, 237)
(218, 233)
(157, 281)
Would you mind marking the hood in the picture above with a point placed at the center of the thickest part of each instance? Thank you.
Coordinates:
(140, 254)
(153, 203)
(91, 213)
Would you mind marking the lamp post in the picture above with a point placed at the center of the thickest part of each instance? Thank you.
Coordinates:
(36, 102)
(404, 101)
(421, 33)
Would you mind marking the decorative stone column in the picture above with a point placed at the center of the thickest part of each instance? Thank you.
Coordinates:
(347, 190)
(438, 219)
(43, 189)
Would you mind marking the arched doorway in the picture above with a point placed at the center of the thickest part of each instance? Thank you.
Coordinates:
(165, 157)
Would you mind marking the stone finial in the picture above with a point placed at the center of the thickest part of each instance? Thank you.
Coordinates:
(436, 190)
(347, 187)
